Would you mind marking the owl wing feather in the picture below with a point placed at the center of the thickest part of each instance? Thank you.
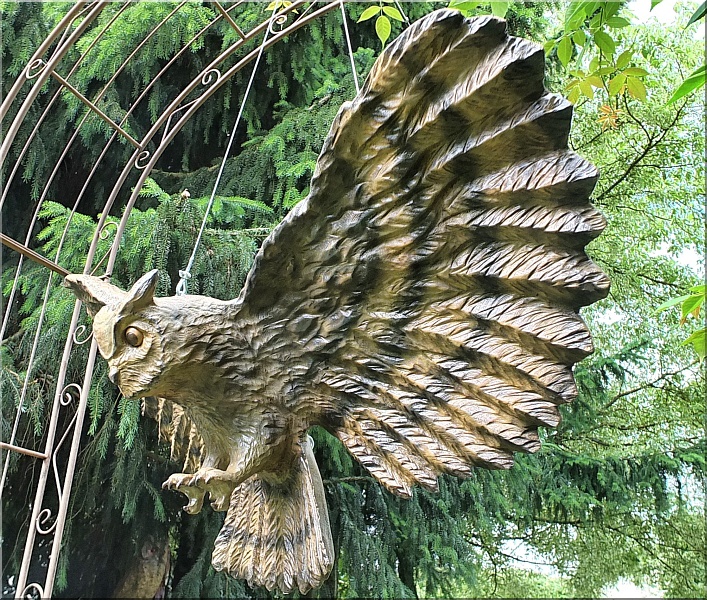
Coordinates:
(422, 301)
(175, 428)
(429, 285)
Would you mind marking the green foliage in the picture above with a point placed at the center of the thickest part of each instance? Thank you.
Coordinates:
(616, 490)
(498, 9)
(691, 305)
(383, 15)
(693, 82)
(696, 79)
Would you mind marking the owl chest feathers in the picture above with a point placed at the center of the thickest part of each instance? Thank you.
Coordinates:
(208, 365)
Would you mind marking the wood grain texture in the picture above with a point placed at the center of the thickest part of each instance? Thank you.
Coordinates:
(421, 303)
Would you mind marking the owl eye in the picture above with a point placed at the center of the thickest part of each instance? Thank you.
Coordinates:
(133, 336)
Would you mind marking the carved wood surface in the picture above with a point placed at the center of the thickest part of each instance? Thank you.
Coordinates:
(421, 303)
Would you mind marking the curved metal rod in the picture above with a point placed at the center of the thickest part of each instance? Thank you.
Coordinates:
(169, 135)
(57, 95)
(46, 463)
(78, 128)
(43, 47)
(92, 353)
(70, 467)
(198, 80)
(25, 385)
(65, 151)
(11, 132)
(76, 132)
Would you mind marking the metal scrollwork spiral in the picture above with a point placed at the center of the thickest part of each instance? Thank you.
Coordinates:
(42, 518)
(211, 77)
(142, 159)
(34, 68)
(67, 397)
(33, 590)
(103, 235)
(277, 24)
(81, 336)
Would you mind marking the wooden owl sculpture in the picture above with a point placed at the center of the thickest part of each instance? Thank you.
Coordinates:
(421, 304)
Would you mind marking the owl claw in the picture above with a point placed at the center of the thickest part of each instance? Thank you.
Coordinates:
(218, 484)
(220, 493)
(214, 481)
(184, 483)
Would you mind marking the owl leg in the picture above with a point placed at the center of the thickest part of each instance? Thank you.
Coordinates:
(219, 484)
(182, 483)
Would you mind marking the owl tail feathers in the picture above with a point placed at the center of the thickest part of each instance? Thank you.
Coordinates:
(278, 536)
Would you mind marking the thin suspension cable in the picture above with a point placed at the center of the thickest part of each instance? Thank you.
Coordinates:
(348, 43)
(186, 273)
(400, 8)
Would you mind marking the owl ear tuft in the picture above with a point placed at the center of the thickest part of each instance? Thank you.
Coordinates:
(94, 292)
(142, 293)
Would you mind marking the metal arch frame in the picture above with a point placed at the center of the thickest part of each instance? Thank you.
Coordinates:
(63, 37)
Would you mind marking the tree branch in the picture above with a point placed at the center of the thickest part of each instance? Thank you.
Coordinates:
(645, 385)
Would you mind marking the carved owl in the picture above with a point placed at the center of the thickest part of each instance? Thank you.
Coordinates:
(421, 304)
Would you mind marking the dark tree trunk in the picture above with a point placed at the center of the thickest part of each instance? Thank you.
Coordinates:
(406, 571)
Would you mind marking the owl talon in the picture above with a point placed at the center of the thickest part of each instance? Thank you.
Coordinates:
(220, 493)
(184, 483)
(178, 480)
(214, 481)
(196, 499)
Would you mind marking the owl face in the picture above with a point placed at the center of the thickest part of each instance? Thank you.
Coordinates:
(125, 326)
(131, 343)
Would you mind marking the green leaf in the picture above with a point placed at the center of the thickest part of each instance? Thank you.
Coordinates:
(586, 88)
(616, 85)
(499, 9)
(623, 59)
(369, 13)
(636, 72)
(617, 22)
(636, 88)
(464, 6)
(672, 302)
(573, 96)
(609, 9)
(694, 81)
(692, 305)
(564, 50)
(698, 14)
(595, 81)
(697, 339)
(277, 5)
(605, 42)
(577, 12)
(548, 46)
(699, 289)
(383, 28)
(655, 3)
(579, 37)
(393, 13)
(595, 22)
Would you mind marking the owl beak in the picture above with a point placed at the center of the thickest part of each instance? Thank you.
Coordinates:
(113, 376)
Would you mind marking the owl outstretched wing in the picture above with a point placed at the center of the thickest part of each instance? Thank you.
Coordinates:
(423, 300)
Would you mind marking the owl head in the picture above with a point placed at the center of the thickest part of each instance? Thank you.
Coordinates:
(127, 328)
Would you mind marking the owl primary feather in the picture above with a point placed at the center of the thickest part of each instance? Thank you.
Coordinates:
(421, 304)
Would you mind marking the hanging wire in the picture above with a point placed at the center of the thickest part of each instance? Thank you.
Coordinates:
(348, 43)
(185, 274)
(400, 8)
